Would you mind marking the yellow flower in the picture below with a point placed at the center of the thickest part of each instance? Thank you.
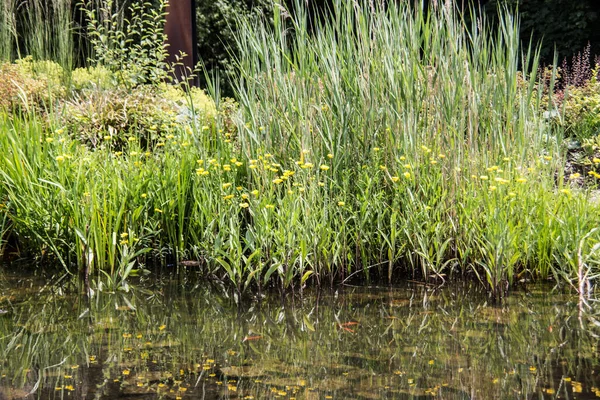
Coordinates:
(506, 159)
(253, 166)
(144, 195)
(60, 158)
(548, 158)
(492, 188)
(254, 192)
(441, 155)
(228, 197)
(329, 155)
(238, 164)
(324, 167)
(162, 327)
(521, 180)
(126, 372)
(124, 235)
(341, 203)
(269, 206)
(483, 177)
(574, 176)
(244, 196)
(59, 131)
(307, 165)
(596, 160)
(565, 191)
(376, 149)
(49, 139)
(244, 205)
(406, 175)
(402, 158)
(205, 128)
(226, 167)
(321, 184)
(407, 166)
(395, 179)
(107, 137)
(501, 181)
(226, 185)
(382, 167)
(158, 210)
(277, 181)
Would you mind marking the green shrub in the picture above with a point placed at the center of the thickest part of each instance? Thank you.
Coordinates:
(30, 85)
(582, 109)
(97, 76)
(108, 118)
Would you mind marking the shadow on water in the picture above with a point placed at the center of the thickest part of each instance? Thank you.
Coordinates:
(168, 340)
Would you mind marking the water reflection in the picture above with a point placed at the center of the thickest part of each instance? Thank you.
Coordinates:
(170, 341)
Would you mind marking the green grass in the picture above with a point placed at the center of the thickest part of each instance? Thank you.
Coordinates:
(385, 144)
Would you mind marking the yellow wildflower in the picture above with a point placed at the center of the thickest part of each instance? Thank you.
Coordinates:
(341, 203)
(324, 167)
(244, 205)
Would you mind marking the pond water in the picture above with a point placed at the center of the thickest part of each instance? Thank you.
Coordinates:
(181, 339)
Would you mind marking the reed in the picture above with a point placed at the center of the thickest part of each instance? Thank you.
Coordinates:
(382, 144)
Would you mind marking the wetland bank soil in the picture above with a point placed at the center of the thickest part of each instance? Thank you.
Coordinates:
(173, 341)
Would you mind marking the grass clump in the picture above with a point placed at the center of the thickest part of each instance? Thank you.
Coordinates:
(381, 143)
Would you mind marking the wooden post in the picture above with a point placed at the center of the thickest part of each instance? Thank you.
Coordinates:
(180, 29)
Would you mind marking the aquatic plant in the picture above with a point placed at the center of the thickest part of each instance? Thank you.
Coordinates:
(383, 144)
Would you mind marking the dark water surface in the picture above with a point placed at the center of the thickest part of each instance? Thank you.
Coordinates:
(171, 340)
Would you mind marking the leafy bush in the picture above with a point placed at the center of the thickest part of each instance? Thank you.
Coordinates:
(108, 118)
(30, 85)
(136, 55)
(97, 76)
(216, 23)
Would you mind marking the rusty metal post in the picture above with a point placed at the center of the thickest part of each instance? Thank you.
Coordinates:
(180, 29)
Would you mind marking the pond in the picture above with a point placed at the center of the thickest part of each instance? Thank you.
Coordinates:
(181, 338)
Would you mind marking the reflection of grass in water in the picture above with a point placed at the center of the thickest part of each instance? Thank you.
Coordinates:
(403, 342)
